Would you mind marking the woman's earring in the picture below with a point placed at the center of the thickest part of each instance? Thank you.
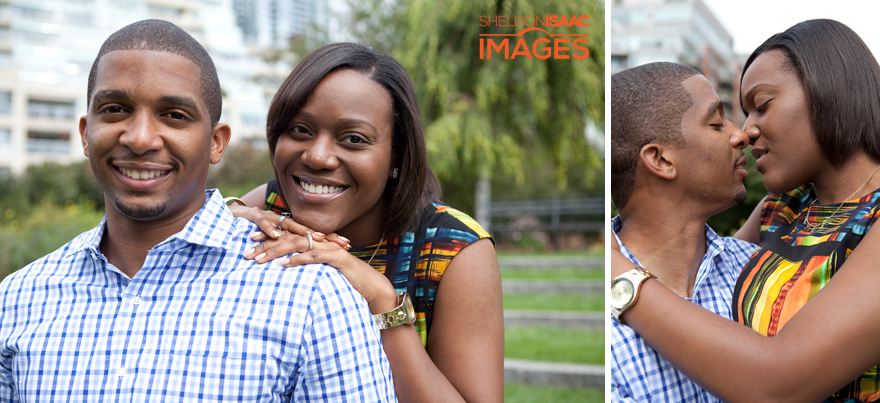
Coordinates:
(395, 173)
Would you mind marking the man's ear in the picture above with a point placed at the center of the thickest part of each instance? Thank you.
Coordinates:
(659, 160)
(219, 140)
(83, 135)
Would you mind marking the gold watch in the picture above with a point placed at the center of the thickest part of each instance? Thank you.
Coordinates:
(625, 291)
(402, 315)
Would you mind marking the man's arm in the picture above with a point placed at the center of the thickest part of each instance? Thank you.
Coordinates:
(342, 352)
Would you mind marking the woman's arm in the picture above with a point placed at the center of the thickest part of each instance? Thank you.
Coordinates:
(751, 230)
(828, 343)
(465, 356)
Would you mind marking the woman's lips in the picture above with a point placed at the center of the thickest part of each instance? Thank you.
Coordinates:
(315, 192)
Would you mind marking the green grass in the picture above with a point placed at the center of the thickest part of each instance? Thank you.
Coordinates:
(514, 393)
(556, 302)
(569, 273)
(595, 252)
(555, 345)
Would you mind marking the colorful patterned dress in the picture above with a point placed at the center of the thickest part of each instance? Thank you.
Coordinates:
(414, 261)
(791, 265)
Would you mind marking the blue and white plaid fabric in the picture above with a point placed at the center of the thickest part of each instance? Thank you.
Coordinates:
(638, 372)
(197, 323)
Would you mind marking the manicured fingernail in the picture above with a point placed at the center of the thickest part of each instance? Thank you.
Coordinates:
(318, 234)
(347, 247)
(344, 239)
(249, 252)
(284, 262)
(275, 234)
(260, 256)
(256, 234)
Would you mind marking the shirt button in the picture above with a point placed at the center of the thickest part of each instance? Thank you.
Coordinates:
(136, 301)
(94, 256)
(120, 372)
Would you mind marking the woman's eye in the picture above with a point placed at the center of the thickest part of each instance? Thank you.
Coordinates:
(299, 129)
(762, 107)
(354, 139)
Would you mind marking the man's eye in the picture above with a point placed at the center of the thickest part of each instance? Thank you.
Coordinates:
(177, 116)
(112, 109)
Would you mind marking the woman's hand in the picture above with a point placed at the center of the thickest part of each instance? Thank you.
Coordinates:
(269, 228)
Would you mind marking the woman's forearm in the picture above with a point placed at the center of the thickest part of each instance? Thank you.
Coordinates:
(827, 344)
(416, 378)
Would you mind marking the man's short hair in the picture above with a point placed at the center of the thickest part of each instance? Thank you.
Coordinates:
(163, 36)
(647, 104)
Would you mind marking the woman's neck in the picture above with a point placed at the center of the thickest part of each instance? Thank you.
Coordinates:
(855, 178)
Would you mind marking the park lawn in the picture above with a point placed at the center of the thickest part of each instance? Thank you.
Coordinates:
(516, 393)
(594, 252)
(575, 346)
(565, 273)
(555, 302)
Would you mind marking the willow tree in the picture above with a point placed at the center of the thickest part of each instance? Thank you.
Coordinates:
(503, 117)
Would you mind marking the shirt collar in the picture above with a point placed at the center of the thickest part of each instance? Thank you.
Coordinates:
(211, 226)
(714, 247)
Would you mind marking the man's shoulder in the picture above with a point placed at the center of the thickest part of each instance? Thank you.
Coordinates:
(51, 264)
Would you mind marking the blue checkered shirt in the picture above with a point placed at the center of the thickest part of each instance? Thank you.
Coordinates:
(640, 374)
(198, 322)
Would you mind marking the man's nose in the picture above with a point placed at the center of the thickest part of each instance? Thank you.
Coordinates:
(142, 134)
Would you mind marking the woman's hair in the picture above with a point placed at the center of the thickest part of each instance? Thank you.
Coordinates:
(416, 186)
(841, 78)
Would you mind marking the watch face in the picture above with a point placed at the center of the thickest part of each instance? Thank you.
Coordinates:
(621, 293)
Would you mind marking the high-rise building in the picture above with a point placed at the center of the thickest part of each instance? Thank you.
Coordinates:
(46, 51)
(272, 23)
(681, 31)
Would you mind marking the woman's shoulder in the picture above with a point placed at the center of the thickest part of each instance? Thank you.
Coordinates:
(441, 215)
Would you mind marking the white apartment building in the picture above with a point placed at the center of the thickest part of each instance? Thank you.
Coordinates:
(271, 23)
(681, 31)
(46, 51)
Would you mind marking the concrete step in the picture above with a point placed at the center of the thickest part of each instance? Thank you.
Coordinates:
(553, 286)
(565, 319)
(554, 374)
(550, 262)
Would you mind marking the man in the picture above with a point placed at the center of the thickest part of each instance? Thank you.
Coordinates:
(157, 302)
(675, 161)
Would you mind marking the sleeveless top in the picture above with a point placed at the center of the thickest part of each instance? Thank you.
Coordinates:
(415, 260)
(791, 265)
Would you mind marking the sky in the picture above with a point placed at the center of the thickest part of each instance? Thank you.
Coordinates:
(751, 22)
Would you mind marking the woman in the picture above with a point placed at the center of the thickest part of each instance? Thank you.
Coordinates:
(812, 94)
(347, 145)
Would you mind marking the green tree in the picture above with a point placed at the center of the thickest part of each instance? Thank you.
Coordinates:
(502, 118)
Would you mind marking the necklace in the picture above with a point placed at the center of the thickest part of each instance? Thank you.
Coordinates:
(377, 249)
(811, 227)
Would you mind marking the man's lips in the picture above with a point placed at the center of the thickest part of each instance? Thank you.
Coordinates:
(740, 166)
(142, 170)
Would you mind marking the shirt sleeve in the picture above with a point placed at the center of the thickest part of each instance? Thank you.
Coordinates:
(342, 357)
(617, 394)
